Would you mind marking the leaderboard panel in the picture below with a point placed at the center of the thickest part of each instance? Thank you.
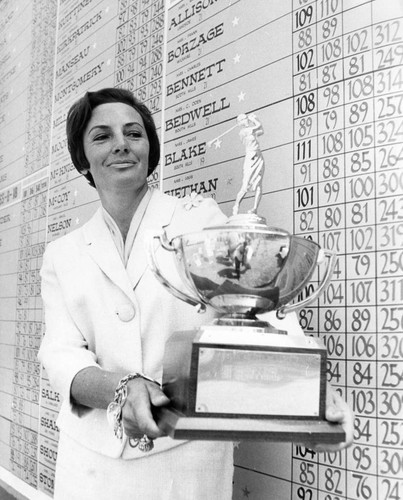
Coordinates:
(63, 49)
(83, 60)
(346, 69)
(348, 144)
(99, 44)
(211, 78)
(26, 80)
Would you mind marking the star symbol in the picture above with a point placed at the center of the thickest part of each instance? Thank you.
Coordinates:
(235, 21)
(246, 492)
(236, 59)
(241, 96)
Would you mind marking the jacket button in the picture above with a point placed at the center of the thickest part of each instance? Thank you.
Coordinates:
(125, 312)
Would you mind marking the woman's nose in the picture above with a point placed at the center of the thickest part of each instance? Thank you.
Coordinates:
(120, 144)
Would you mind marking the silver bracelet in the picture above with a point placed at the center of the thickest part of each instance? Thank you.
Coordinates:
(114, 410)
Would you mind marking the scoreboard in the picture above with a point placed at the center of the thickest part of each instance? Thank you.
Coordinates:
(325, 78)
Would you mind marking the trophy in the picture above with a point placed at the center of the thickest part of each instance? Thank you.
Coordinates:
(239, 377)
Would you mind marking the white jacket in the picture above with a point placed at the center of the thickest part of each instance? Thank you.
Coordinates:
(96, 316)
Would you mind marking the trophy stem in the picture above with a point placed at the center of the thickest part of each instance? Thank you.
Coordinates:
(248, 321)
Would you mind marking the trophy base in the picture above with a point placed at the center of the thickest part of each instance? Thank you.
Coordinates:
(179, 426)
(238, 372)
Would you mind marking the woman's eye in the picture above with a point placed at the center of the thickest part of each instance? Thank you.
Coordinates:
(100, 137)
(134, 133)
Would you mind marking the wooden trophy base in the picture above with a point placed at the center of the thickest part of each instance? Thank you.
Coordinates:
(179, 426)
(233, 383)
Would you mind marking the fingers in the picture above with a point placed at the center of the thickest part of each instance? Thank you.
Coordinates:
(157, 397)
(337, 411)
(137, 412)
(326, 448)
(335, 408)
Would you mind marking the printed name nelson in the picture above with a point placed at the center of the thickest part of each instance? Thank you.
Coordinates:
(197, 41)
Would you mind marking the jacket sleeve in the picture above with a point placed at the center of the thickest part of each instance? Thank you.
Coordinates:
(63, 350)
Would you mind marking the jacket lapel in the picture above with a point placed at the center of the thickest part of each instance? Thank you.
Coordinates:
(157, 216)
(102, 250)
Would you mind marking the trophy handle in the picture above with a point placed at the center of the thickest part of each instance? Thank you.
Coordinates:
(166, 245)
(331, 262)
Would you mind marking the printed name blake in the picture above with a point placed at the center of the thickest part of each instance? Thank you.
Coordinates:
(186, 153)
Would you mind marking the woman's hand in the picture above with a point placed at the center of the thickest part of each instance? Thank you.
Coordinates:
(337, 411)
(137, 417)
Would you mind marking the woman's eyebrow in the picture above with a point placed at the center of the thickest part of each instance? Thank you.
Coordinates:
(102, 127)
(130, 124)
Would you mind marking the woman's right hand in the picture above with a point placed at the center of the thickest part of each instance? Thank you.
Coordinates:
(137, 417)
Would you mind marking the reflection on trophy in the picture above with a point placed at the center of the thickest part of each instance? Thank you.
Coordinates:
(240, 377)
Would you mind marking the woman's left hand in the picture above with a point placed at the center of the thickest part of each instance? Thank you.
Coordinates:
(337, 411)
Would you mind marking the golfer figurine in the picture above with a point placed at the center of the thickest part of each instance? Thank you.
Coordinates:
(253, 167)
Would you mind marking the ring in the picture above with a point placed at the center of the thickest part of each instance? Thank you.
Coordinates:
(145, 444)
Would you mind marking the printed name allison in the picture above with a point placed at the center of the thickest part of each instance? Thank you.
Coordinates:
(190, 12)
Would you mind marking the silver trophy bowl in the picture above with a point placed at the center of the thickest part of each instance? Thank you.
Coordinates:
(244, 268)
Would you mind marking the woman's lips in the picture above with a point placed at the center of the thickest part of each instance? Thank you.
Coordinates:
(121, 164)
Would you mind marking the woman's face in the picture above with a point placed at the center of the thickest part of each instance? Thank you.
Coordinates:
(117, 148)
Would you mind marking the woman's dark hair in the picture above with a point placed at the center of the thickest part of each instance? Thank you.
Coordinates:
(80, 114)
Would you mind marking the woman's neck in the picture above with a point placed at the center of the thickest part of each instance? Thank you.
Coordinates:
(122, 208)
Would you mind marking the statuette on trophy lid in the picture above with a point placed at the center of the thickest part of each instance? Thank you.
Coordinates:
(240, 377)
(253, 166)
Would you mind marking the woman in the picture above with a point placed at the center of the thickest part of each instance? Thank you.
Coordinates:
(107, 320)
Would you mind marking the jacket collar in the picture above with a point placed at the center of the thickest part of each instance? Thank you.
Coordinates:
(157, 216)
(102, 249)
